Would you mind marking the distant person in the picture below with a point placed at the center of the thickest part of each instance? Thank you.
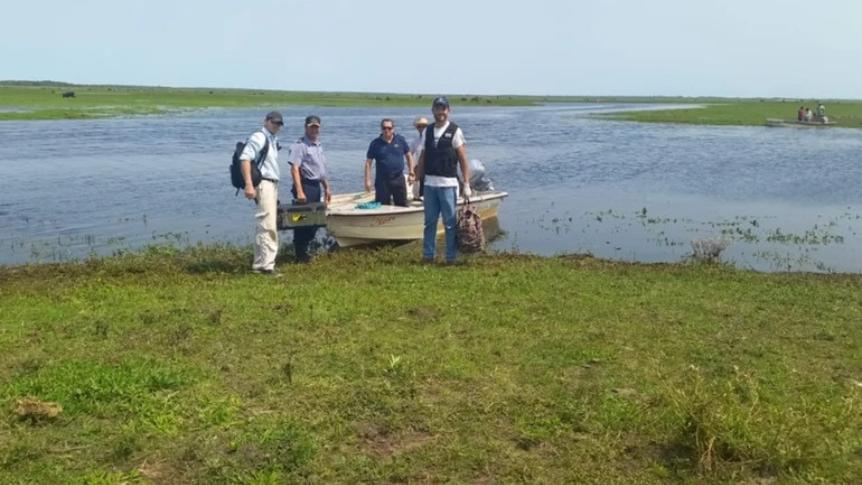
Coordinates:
(809, 115)
(821, 112)
(444, 148)
(420, 124)
(265, 195)
(308, 170)
(388, 151)
(800, 114)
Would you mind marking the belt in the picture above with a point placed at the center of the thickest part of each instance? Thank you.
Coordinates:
(390, 176)
(275, 181)
(311, 182)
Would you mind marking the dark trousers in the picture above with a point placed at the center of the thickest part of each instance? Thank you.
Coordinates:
(391, 189)
(304, 235)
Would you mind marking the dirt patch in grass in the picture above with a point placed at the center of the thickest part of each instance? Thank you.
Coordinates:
(379, 440)
(35, 410)
(157, 471)
(421, 313)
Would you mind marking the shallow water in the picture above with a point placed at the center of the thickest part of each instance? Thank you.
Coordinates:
(780, 199)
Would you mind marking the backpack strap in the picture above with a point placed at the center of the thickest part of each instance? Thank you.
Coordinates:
(261, 156)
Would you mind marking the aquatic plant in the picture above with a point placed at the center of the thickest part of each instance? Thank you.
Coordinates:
(708, 250)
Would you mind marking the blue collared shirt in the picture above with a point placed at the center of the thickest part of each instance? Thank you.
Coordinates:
(388, 156)
(310, 159)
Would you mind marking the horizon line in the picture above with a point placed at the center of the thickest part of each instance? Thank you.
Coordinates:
(48, 82)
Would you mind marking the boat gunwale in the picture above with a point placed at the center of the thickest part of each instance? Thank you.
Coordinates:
(398, 210)
(780, 122)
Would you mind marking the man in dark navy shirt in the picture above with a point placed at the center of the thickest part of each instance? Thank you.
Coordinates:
(389, 151)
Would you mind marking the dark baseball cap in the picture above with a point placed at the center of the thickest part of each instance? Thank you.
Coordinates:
(440, 101)
(275, 117)
(312, 120)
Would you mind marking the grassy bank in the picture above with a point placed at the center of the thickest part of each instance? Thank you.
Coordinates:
(45, 101)
(847, 114)
(182, 367)
(32, 102)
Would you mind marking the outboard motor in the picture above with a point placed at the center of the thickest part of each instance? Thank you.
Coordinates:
(479, 180)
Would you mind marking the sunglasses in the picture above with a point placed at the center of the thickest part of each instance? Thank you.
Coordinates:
(387, 128)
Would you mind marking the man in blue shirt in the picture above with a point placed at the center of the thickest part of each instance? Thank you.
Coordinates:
(308, 171)
(388, 151)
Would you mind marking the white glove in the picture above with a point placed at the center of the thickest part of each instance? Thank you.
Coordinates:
(467, 191)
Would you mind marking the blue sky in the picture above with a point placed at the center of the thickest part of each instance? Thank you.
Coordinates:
(779, 48)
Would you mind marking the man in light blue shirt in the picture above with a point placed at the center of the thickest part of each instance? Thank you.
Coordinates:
(264, 194)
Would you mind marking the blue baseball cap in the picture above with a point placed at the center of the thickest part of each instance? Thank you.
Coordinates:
(440, 101)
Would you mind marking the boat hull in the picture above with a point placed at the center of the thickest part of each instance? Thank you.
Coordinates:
(354, 227)
(798, 124)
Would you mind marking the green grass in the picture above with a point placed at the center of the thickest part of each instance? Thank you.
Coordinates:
(42, 100)
(45, 101)
(183, 367)
(846, 114)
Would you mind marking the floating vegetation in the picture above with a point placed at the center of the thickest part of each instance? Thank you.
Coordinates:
(810, 237)
(70, 247)
(737, 232)
(789, 262)
(755, 239)
(181, 238)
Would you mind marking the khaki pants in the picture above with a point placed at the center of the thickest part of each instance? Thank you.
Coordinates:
(266, 232)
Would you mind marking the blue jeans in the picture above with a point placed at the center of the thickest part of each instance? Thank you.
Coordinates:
(439, 201)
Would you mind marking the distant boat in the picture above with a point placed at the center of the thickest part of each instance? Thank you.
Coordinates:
(352, 226)
(798, 124)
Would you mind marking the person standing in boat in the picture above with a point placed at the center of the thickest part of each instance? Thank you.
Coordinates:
(388, 151)
(420, 124)
(263, 144)
(308, 170)
(444, 148)
(821, 112)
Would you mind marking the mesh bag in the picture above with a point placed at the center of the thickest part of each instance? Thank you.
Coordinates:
(471, 237)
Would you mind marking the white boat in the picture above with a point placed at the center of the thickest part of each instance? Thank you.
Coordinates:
(775, 122)
(351, 226)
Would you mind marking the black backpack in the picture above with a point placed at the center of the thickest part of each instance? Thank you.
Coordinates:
(236, 178)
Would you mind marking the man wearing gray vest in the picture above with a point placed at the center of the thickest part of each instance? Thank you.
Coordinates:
(265, 194)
